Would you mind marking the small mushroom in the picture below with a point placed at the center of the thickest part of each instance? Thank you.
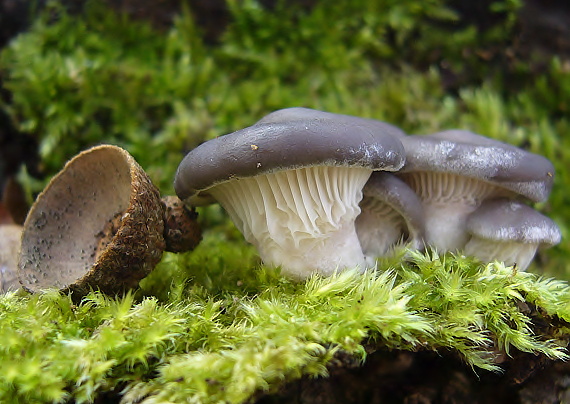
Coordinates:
(454, 171)
(9, 246)
(509, 231)
(391, 213)
(98, 225)
(292, 184)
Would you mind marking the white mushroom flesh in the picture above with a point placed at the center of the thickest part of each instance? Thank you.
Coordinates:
(301, 219)
(379, 228)
(448, 199)
(509, 252)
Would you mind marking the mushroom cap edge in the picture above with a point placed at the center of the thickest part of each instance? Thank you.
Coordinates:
(330, 139)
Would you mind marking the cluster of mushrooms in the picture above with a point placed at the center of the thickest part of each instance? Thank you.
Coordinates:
(314, 192)
(318, 192)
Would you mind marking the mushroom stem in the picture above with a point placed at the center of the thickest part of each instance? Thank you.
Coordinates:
(378, 240)
(445, 225)
(297, 220)
(509, 252)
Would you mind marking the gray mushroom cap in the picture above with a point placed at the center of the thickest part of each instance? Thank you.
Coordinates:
(304, 114)
(288, 139)
(510, 220)
(396, 193)
(468, 154)
(385, 196)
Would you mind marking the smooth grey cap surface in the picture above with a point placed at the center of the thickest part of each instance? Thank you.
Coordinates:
(466, 153)
(509, 220)
(289, 140)
(303, 114)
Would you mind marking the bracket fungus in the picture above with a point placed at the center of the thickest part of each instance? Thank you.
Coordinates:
(99, 224)
(391, 213)
(292, 183)
(454, 171)
(509, 231)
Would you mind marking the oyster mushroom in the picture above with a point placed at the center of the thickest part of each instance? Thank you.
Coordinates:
(98, 225)
(292, 184)
(509, 231)
(391, 212)
(9, 246)
(454, 171)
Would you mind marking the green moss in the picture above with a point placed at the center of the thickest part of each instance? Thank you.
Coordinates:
(213, 340)
(213, 325)
(102, 78)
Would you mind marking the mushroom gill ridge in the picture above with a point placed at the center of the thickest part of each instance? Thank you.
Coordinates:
(292, 216)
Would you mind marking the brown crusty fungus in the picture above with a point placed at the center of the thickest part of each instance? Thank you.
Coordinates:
(99, 224)
(181, 230)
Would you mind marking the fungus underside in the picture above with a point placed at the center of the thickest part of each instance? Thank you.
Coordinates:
(301, 217)
(448, 200)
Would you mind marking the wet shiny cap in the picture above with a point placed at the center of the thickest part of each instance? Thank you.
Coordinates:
(465, 153)
(389, 189)
(289, 139)
(509, 220)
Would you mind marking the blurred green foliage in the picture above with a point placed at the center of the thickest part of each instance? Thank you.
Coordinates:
(101, 79)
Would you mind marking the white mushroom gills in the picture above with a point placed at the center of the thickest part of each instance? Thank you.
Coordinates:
(454, 171)
(301, 218)
(448, 200)
(392, 214)
(377, 240)
(509, 252)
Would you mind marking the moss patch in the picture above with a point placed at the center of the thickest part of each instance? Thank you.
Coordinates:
(231, 330)
(213, 325)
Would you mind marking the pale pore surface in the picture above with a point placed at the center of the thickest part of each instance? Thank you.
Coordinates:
(301, 219)
(509, 252)
(379, 228)
(448, 199)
